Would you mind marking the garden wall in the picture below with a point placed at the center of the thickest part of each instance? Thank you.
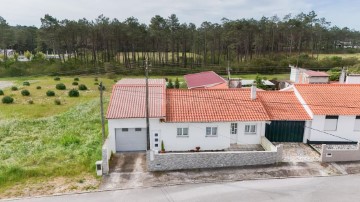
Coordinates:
(343, 153)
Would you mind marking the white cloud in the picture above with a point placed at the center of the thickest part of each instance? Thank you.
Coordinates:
(26, 12)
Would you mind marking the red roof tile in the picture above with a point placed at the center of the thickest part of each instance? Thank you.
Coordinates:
(213, 105)
(128, 99)
(283, 105)
(315, 74)
(203, 79)
(331, 99)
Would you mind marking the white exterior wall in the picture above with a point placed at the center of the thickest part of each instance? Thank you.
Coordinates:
(294, 74)
(197, 134)
(317, 79)
(353, 79)
(307, 131)
(345, 129)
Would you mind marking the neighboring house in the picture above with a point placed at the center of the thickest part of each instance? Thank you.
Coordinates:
(208, 80)
(22, 58)
(300, 75)
(212, 119)
(334, 110)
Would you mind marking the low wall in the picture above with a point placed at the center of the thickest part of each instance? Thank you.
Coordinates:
(335, 155)
(268, 146)
(194, 160)
(106, 155)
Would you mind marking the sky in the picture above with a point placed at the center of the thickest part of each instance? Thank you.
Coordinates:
(28, 12)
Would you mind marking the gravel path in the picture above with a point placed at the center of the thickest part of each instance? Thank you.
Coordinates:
(5, 84)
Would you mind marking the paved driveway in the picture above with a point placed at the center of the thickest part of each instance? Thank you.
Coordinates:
(298, 152)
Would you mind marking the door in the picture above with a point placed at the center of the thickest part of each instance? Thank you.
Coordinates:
(285, 131)
(233, 133)
(130, 139)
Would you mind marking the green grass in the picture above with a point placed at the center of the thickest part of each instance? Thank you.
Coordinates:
(345, 55)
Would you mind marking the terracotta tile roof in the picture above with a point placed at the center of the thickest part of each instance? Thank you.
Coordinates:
(128, 99)
(331, 99)
(213, 105)
(315, 74)
(203, 79)
(283, 105)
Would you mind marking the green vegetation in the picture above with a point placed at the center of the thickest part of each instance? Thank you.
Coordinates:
(57, 79)
(1, 92)
(74, 93)
(177, 83)
(60, 86)
(75, 83)
(25, 93)
(26, 83)
(14, 88)
(82, 87)
(57, 101)
(7, 100)
(38, 87)
(76, 79)
(50, 93)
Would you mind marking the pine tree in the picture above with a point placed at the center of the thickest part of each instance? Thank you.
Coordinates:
(177, 83)
(170, 84)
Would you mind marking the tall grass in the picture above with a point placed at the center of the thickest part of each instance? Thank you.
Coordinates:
(63, 145)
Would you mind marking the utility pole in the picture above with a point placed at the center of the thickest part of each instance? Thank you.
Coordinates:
(147, 104)
(101, 88)
(228, 72)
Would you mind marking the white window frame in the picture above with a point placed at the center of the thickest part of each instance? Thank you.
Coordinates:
(331, 123)
(250, 128)
(233, 128)
(357, 123)
(180, 132)
(211, 131)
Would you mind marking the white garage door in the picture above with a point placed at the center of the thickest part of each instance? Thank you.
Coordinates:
(130, 139)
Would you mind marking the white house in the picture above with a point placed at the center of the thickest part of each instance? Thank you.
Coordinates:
(300, 75)
(183, 119)
(334, 110)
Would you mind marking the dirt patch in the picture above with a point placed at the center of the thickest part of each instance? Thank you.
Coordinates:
(5, 84)
(52, 186)
(128, 162)
(298, 152)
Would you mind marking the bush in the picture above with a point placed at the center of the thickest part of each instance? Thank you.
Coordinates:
(1, 92)
(57, 78)
(82, 87)
(74, 93)
(96, 83)
(7, 100)
(30, 102)
(26, 83)
(14, 88)
(25, 93)
(57, 101)
(96, 79)
(60, 86)
(75, 83)
(50, 93)
(38, 87)
(76, 79)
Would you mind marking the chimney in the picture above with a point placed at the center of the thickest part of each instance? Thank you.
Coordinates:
(253, 91)
(342, 76)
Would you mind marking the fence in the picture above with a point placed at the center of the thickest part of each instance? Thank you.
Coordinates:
(330, 153)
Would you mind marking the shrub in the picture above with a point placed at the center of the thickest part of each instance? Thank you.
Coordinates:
(7, 100)
(96, 79)
(96, 83)
(74, 93)
(76, 79)
(75, 83)
(25, 93)
(1, 92)
(60, 86)
(57, 78)
(50, 93)
(177, 83)
(82, 87)
(57, 101)
(14, 88)
(38, 87)
(26, 83)
(30, 102)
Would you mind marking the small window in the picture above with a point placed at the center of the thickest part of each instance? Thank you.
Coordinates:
(156, 139)
(233, 128)
(182, 131)
(137, 129)
(211, 131)
(250, 129)
(124, 129)
(156, 135)
(331, 123)
(357, 123)
(156, 145)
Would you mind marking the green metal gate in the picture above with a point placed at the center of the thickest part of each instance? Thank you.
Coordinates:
(285, 131)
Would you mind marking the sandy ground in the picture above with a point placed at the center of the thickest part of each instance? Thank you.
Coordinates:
(298, 152)
(52, 186)
(5, 84)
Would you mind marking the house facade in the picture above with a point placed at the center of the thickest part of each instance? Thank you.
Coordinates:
(300, 75)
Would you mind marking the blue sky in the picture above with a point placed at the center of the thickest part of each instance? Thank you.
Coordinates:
(28, 12)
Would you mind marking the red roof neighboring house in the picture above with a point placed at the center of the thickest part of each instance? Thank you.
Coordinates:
(128, 99)
(213, 105)
(316, 74)
(334, 99)
(283, 105)
(207, 79)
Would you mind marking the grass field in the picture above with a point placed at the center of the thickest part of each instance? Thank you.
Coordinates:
(345, 55)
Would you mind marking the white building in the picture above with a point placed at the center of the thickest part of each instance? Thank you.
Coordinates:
(300, 75)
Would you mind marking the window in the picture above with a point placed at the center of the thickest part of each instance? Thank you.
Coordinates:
(182, 131)
(331, 122)
(156, 134)
(124, 129)
(233, 128)
(250, 129)
(137, 129)
(211, 131)
(357, 123)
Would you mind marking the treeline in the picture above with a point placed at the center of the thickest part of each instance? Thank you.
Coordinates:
(269, 42)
